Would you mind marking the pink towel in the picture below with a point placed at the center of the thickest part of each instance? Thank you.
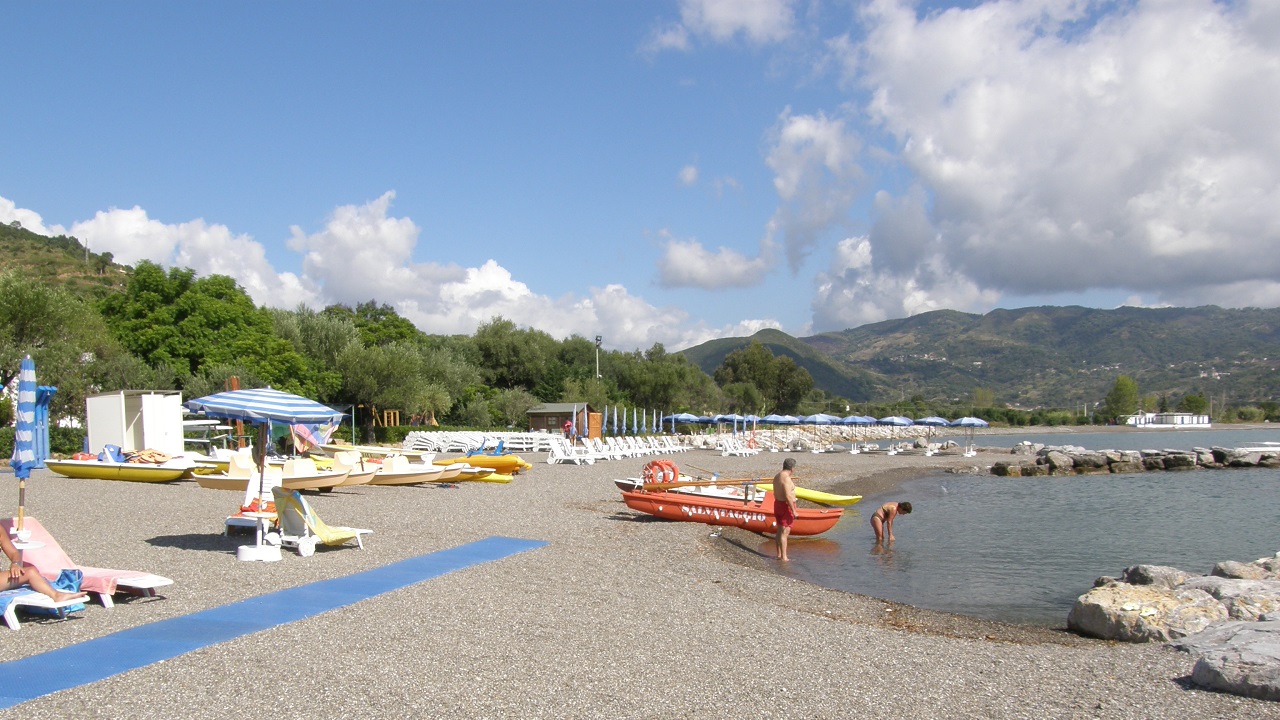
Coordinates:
(51, 560)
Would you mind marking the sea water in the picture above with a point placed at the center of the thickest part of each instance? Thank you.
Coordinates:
(1023, 549)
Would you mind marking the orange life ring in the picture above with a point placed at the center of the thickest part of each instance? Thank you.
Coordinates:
(673, 472)
(660, 471)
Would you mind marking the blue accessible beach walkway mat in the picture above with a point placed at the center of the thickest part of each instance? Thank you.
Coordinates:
(93, 660)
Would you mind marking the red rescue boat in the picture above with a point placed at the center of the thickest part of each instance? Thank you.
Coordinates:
(756, 516)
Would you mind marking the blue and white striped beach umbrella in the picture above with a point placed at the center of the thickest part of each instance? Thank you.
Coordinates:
(24, 434)
(264, 405)
(635, 421)
(615, 419)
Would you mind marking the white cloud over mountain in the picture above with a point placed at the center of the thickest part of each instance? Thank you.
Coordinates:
(1054, 151)
(364, 253)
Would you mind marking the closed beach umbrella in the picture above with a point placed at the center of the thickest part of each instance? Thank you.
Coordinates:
(24, 435)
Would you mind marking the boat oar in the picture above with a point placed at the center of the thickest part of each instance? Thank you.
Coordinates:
(694, 483)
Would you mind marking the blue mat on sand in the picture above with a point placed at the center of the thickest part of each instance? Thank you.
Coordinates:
(86, 662)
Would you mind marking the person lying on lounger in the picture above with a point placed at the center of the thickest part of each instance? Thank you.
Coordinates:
(20, 574)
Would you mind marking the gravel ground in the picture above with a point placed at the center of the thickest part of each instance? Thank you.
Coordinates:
(621, 615)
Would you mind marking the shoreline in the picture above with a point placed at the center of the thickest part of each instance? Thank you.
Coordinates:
(618, 614)
(740, 547)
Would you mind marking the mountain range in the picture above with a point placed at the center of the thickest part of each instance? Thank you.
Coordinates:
(1040, 357)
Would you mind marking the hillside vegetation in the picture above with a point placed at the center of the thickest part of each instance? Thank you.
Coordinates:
(1060, 357)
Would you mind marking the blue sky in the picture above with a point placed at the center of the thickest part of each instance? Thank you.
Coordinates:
(660, 172)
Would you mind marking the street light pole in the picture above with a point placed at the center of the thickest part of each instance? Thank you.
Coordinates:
(598, 341)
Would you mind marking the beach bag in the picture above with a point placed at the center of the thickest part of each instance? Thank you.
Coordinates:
(111, 453)
(67, 581)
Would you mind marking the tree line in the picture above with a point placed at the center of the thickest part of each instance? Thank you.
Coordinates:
(175, 330)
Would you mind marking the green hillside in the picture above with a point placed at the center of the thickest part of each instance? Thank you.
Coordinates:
(1048, 356)
(845, 381)
(59, 260)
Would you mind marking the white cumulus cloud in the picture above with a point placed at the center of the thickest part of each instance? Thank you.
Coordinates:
(759, 22)
(1059, 149)
(365, 253)
(687, 263)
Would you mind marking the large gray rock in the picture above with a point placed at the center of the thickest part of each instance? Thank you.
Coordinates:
(1159, 575)
(1179, 461)
(1091, 460)
(1144, 613)
(1242, 658)
(1058, 462)
(1239, 570)
(1244, 599)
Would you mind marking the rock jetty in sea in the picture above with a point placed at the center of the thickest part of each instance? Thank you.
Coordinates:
(1229, 619)
(1072, 460)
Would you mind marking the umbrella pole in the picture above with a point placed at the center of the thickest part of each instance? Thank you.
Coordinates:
(22, 500)
(259, 551)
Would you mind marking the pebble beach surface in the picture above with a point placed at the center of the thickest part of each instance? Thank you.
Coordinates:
(620, 615)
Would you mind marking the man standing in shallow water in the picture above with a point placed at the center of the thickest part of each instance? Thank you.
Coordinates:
(784, 506)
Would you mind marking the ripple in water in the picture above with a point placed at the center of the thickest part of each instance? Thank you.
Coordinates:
(1023, 549)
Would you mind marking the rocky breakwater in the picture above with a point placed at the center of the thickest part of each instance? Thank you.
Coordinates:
(1036, 459)
(1229, 619)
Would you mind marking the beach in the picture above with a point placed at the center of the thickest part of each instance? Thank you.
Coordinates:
(619, 615)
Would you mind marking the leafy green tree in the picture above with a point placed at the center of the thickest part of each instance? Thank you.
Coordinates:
(1122, 400)
(65, 337)
(511, 357)
(1195, 404)
(782, 383)
(514, 405)
(377, 324)
(382, 377)
(984, 397)
(187, 323)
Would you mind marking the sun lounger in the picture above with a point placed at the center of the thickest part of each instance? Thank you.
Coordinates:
(301, 528)
(12, 600)
(51, 560)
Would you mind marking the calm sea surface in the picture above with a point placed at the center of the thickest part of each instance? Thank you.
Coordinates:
(1023, 549)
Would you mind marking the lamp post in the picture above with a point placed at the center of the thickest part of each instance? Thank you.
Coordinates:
(598, 341)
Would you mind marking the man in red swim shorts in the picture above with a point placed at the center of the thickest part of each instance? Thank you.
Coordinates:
(784, 505)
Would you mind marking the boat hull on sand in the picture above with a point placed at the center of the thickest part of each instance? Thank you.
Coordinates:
(418, 474)
(317, 481)
(128, 472)
(505, 464)
(754, 515)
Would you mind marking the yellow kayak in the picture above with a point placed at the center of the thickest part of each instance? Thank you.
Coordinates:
(506, 464)
(817, 496)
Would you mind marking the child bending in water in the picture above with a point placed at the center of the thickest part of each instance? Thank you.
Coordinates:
(882, 519)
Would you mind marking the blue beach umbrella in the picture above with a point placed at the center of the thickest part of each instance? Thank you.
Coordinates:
(615, 419)
(970, 422)
(24, 435)
(635, 421)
